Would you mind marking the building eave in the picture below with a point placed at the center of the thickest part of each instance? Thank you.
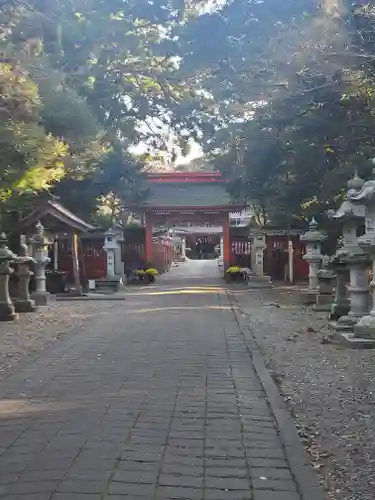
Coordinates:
(57, 211)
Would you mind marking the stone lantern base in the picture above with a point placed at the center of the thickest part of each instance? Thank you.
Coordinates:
(339, 309)
(256, 281)
(113, 284)
(23, 306)
(324, 297)
(308, 297)
(323, 302)
(365, 328)
(7, 312)
(41, 298)
(346, 323)
(356, 333)
(351, 340)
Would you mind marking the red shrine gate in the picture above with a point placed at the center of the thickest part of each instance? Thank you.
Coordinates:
(188, 198)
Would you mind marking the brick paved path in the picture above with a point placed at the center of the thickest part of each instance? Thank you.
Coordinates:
(159, 401)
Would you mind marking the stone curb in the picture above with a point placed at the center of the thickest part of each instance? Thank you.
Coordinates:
(300, 464)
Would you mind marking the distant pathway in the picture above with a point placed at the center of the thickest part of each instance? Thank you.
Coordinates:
(159, 400)
(192, 269)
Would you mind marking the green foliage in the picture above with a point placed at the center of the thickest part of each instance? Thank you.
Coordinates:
(279, 93)
(312, 125)
(103, 72)
(31, 159)
(109, 193)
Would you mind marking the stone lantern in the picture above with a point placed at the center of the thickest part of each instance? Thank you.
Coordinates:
(365, 327)
(23, 302)
(326, 277)
(313, 239)
(350, 254)
(110, 246)
(7, 311)
(340, 305)
(115, 267)
(41, 259)
(257, 277)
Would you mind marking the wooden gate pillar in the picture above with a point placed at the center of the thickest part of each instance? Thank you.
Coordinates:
(148, 242)
(226, 242)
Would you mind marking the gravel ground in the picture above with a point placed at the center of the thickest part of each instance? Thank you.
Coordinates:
(329, 388)
(35, 331)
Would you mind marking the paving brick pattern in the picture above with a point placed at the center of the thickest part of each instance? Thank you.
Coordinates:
(158, 401)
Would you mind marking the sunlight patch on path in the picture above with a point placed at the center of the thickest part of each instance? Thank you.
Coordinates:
(181, 308)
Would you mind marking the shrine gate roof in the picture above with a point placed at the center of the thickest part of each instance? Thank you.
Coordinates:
(188, 190)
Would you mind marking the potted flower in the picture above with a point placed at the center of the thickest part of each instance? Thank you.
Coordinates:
(234, 273)
(150, 274)
(141, 274)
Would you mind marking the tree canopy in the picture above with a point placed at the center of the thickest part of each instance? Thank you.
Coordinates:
(278, 94)
(305, 116)
(90, 76)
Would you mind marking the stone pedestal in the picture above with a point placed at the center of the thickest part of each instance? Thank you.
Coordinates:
(365, 327)
(358, 292)
(313, 257)
(115, 267)
(23, 302)
(108, 285)
(326, 279)
(256, 281)
(308, 296)
(7, 310)
(341, 305)
(111, 273)
(290, 261)
(257, 278)
(40, 296)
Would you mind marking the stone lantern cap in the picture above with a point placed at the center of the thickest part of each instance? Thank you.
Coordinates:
(355, 184)
(113, 236)
(5, 253)
(367, 193)
(367, 243)
(349, 210)
(352, 255)
(313, 235)
(334, 260)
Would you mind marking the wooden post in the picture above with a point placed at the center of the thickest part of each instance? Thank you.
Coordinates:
(148, 239)
(55, 254)
(226, 242)
(291, 260)
(75, 264)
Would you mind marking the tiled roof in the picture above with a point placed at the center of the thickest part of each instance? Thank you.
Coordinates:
(188, 194)
(57, 211)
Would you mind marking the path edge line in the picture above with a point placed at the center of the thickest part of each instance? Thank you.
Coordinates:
(298, 458)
